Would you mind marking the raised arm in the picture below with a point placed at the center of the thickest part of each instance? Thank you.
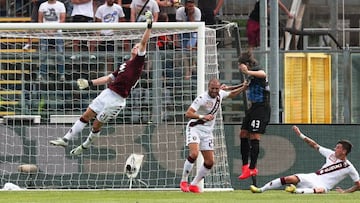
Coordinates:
(84, 83)
(286, 10)
(146, 35)
(225, 87)
(308, 140)
(245, 70)
(236, 90)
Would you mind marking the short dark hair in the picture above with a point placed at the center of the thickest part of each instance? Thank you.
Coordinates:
(189, 1)
(346, 145)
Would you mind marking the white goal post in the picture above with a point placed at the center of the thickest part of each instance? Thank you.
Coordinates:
(152, 123)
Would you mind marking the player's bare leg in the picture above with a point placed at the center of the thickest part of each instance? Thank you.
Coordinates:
(188, 165)
(277, 183)
(78, 126)
(95, 133)
(203, 171)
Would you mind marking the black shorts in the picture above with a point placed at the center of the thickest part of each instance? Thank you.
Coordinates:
(257, 118)
(207, 16)
(81, 19)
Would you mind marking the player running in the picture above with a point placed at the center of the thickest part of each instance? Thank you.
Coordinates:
(199, 135)
(335, 169)
(112, 100)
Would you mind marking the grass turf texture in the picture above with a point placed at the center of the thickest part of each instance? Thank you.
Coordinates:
(104, 196)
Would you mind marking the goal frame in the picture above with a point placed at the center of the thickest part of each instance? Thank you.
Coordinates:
(198, 26)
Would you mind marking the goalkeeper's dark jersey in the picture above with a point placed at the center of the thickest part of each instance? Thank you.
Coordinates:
(258, 90)
(127, 75)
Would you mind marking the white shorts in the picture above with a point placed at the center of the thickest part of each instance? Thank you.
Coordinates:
(310, 180)
(107, 105)
(201, 136)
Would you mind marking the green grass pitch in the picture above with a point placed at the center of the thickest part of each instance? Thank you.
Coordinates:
(104, 196)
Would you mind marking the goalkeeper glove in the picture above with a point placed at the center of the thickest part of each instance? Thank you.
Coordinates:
(149, 19)
(83, 83)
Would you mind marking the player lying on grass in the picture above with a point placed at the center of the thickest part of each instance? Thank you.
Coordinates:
(335, 169)
(112, 100)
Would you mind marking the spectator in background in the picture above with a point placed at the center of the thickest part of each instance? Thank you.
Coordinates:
(34, 18)
(125, 4)
(166, 42)
(253, 24)
(169, 7)
(97, 3)
(83, 11)
(188, 13)
(139, 7)
(52, 11)
(3, 11)
(209, 9)
(109, 12)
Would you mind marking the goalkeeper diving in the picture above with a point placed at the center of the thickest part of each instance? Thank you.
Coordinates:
(108, 104)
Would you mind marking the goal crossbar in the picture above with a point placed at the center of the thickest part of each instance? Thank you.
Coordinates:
(102, 167)
(199, 26)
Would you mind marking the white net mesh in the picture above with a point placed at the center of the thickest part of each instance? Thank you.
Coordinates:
(36, 110)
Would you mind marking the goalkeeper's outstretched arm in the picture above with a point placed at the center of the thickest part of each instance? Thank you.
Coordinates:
(84, 83)
(146, 35)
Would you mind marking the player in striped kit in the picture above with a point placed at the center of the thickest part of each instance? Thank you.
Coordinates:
(257, 116)
(336, 168)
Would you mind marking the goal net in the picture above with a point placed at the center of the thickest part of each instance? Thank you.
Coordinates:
(40, 101)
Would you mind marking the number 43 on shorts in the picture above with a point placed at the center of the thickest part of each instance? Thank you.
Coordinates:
(255, 124)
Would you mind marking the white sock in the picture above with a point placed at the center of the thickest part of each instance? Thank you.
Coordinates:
(304, 191)
(200, 175)
(75, 129)
(90, 139)
(274, 184)
(186, 171)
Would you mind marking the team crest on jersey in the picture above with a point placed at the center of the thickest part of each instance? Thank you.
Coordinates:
(209, 104)
(333, 158)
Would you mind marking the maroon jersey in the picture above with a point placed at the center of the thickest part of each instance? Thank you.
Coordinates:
(127, 75)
